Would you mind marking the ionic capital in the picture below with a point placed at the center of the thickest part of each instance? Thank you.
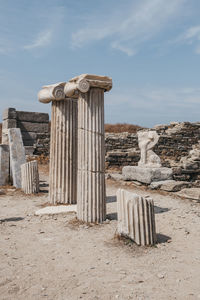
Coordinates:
(52, 92)
(84, 82)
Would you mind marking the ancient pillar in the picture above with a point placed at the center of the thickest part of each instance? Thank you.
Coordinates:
(63, 148)
(30, 177)
(136, 218)
(91, 149)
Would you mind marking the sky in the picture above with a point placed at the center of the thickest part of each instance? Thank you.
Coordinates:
(150, 48)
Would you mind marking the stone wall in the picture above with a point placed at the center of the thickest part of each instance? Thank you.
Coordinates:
(175, 141)
(34, 128)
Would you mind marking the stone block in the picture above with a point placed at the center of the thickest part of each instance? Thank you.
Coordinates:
(33, 127)
(9, 113)
(146, 175)
(4, 164)
(9, 123)
(136, 218)
(169, 185)
(33, 117)
(190, 193)
(29, 150)
(17, 155)
(29, 135)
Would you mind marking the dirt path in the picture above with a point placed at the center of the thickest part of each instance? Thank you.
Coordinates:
(54, 258)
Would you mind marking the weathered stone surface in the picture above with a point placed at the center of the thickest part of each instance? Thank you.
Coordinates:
(146, 175)
(4, 164)
(190, 193)
(26, 135)
(59, 209)
(136, 218)
(30, 177)
(29, 150)
(84, 82)
(91, 157)
(63, 152)
(169, 185)
(52, 92)
(17, 155)
(146, 141)
(33, 127)
(9, 113)
(9, 123)
(33, 117)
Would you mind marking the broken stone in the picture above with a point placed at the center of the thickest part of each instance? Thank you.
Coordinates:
(146, 175)
(190, 193)
(136, 218)
(169, 185)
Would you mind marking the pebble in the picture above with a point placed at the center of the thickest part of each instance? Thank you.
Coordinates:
(161, 275)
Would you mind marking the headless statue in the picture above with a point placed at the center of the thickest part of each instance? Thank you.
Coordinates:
(147, 140)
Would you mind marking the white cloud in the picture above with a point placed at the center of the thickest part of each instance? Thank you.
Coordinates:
(43, 39)
(191, 37)
(131, 27)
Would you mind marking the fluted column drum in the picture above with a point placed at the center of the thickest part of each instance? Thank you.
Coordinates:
(63, 152)
(91, 157)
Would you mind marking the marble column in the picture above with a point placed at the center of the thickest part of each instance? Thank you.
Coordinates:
(89, 89)
(63, 148)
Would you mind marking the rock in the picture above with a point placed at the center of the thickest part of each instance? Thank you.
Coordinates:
(146, 175)
(190, 193)
(116, 176)
(169, 185)
(59, 209)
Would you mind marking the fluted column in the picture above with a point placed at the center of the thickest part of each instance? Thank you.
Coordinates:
(63, 148)
(91, 148)
(30, 177)
(63, 152)
(136, 217)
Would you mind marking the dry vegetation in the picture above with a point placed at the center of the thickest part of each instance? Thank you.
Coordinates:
(122, 127)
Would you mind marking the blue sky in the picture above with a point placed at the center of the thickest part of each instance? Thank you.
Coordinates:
(150, 48)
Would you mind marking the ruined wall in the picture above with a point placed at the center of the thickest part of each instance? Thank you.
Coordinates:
(34, 127)
(175, 141)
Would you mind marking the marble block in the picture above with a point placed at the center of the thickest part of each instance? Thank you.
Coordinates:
(17, 155)
(146, 175)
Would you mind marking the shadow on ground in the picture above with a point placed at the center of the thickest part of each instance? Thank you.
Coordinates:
(161, 238)
(14, 219)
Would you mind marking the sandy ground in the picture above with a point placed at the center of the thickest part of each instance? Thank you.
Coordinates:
(56, 258)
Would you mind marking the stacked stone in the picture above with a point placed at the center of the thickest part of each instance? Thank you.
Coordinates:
(34, 128)
(30, 177)
(63, 150)
(175, 141)
(91, 153)
(136, 218)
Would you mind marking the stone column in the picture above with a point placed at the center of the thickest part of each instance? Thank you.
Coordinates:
(30, 177)
(91, 196)
(63, 148)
